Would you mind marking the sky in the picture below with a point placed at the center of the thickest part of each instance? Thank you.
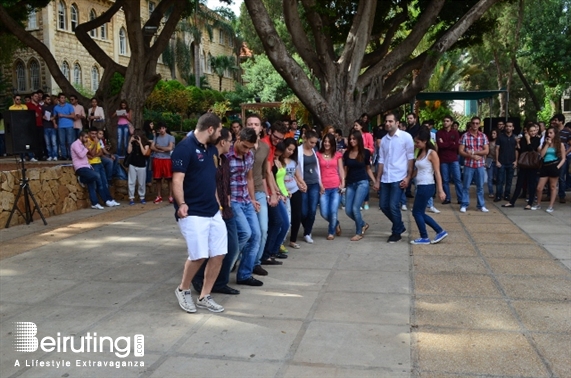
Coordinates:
(212, 4)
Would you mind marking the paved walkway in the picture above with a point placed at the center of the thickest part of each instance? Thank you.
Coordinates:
(491, 300)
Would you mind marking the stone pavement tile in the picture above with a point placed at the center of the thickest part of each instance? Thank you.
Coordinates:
(553, 237)
(442, 218)
(559, 251)
(370, 282)
(284, 278)
(530, 267)
(464, 313)
(163, 299)
(488, 237)
(8, 310)
(491, 227)
(539, 288)
(266, 339)
(308, 371)
(453, 226)
(279, 303)
(479, 353)
(104, 294)
(137, 271)
(26, 289)
(527, 251)
(477, 217)
(473, 285)
(555, 349)
(376, 308)
(299, 258)
(553, 317)
(346, 344)
(449, 264)
(214, 367)
(444, 248)
(380, 261)
(454, 237)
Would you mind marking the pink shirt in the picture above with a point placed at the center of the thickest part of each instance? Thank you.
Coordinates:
(79, 155)
(368, 142)
(329, 170)
(77, 123)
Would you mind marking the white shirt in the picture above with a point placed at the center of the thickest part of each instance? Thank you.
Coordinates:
(394, 154)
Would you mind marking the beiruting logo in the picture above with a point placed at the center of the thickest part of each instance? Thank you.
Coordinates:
(25, 340)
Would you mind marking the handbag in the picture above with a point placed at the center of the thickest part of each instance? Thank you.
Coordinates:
(126, 161)
(529, 160)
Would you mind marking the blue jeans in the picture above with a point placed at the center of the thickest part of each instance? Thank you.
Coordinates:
(108, 165)
(505, 177)
(278, 225)
(451, 171)
(263, 220)
(150, 170)
(100, 169)
(478, 175)
(328, 207)
(248, 229)
(65, 141)
(122, 139)
(309, 201)
(562, 178)
(423, 194)
(51, 142)
(492, 172)
(356, 193)
(229, 260)
(390, 197)
(92, 179)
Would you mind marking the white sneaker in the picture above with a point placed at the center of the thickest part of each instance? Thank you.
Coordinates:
(209, 304)
(434, 210)
(49, 159)
(33, 159)
(403, 208)
(54, 159)
(536, 207)
(97, 207)
(308, 239)
(462, 209)
(115, 203)
(484, 209)
(549, 209)
(185, 300)
(109, 203)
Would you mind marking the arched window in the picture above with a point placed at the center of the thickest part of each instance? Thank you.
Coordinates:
(103, 34)
(34, 75)
(202, 60)
(65, 69)
(93, 16)
(94, 78)
(32, 20)
(151, 8)
(20, 77)
(208, 65)
(62, 16)
(76, 74)
(74, 17)
(122, 42)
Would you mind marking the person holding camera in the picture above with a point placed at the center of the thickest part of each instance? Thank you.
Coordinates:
(137, 149)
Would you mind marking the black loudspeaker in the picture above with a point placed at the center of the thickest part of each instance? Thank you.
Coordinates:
(20, 131)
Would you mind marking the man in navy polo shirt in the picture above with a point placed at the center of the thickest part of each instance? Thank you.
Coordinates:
(197, 210)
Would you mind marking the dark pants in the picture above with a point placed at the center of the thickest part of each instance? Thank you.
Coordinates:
(423, 194)
(563, 179)
(228, 262)
(295, 215)
(278, 225)
(505, 177)
(390, 198)
(309, 202)
(89, 177)
(531, 177)
(41, 151)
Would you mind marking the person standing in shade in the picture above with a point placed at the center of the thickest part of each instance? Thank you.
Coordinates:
(162, 146)
(49, 130)
(506, 161)
(198, 211)
(448, 140)
(553, 153)
(64, 114)
(333, 179)
(396, 157)
(474, 147)
(79, 114)
(137, 150)
(124, 116)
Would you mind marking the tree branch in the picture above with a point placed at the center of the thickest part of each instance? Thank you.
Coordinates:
(379, 53)
(528, 87)
(167, 31)
(323, 44)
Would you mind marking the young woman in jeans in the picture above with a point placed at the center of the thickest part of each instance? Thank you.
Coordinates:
(123, 123)
(295, 186)
(333, 179)
(553, 154)
(357, 167)
(427, 169)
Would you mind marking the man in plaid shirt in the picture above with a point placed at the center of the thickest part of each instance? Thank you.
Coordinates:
(241, 160)
(474, 148)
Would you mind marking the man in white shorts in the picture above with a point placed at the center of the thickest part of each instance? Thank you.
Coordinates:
(197, 210)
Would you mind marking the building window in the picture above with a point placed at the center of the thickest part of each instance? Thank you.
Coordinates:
(567, 104)
(231, 40)
(20, 77)
(94, 79)
(221, 37)
(76, 74)
(74, 17)
(65, 69)
(151, 8)
(208, 66)
(32, 20)
(104, 31)
(122, 42)
(62, 16)
(92, 16)
(34, 75)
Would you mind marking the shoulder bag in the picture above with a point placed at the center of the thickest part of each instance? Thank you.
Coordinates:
(529, 160)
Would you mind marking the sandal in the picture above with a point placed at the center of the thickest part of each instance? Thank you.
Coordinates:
(365, 228)
(294, 245)
(338, 230)
(527, 207)
(330, 237)
(507, 205)
(357, 238)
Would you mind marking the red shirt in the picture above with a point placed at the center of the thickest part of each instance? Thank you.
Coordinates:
(448, 148)
(38, 110)
(271, 154)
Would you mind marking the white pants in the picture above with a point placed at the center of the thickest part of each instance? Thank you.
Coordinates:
(137, 175)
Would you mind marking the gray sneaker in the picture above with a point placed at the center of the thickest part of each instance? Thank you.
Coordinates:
(209, 304)
(185, 300)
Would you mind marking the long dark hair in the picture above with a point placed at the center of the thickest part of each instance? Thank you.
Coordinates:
(126, 105)
(332, 144)
(288, 142)
(424, 136)
(491, 133)
(556, 142)
(358, 136)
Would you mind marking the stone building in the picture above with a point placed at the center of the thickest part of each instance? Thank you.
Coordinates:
(54, 26)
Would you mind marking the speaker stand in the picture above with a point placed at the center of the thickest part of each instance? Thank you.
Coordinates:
(25, 189)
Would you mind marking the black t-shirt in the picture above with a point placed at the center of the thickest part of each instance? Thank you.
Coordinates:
(507, 146)
(199, 163)
(379, 132)
(137, 158)
(355, 170)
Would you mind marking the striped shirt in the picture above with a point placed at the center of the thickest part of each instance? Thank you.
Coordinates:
(239, 168)
(475, 143)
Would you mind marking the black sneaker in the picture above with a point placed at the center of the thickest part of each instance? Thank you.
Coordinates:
(260, 271)
(250, 282)
(446, 202)
(394, 238)
(498, 199)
